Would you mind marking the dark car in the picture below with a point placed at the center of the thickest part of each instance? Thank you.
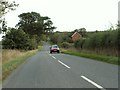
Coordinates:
(54, 48)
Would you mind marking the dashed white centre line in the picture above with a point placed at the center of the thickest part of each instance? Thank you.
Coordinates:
(63, 64)
(93, 83)
(54, 57)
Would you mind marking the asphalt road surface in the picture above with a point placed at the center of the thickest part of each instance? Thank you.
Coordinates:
(45, 70)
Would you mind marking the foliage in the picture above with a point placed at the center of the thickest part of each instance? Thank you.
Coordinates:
(106, 39)
(82, 31)
(31, 23)
(67, 37)
(18, 39)
(34, 24)
(31, 29)
(33, 44)
(5, 6)
(54, 38)
(66, 45)
(48, 26)
(4, 26)
(106, 42)
(44, 37)
(60, 37)
(79, 43)
(102, 42)
(118, 28)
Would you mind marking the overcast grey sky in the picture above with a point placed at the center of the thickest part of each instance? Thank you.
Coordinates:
(68, 15)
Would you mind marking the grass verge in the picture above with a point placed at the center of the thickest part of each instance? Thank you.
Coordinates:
(108, 59)
(11, 59)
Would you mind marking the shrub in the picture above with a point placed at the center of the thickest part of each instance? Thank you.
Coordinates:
(33, 44)
(18, 39)
(66, 45)
(54, 38)
(106, 39)
(79, 43)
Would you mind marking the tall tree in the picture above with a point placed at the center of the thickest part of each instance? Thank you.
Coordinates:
(35, 24)
(5, 6)
(48, 26)
(31, 23)
(4, 26)
(82, 31)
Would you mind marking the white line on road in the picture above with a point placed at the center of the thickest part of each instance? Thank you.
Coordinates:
(54, 57)
(93, 83)
(63, 64)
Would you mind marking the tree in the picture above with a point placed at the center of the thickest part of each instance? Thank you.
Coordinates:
(34, 24)
(79, 43)
(54, 38)
(18, 39)
(48, 26)
(118, 25)
(4, 26)
(5, 6)
(82, 31)
(118, 28)
(30, 22)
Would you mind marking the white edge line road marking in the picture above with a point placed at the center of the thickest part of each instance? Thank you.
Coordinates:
(63, 64)
(95, 84)
(54, 57)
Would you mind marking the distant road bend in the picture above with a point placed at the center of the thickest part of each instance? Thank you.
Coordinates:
(45, 70)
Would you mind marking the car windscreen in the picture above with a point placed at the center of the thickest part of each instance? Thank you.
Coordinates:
(54, 46)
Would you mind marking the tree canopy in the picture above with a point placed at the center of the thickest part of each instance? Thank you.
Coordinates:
(30, 30)
(82, 31)
(5, 6)
(34, 24)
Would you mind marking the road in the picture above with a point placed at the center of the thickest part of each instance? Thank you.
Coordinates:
(45, 70)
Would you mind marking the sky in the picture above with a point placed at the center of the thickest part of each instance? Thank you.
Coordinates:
(68, 15)
(119, 11)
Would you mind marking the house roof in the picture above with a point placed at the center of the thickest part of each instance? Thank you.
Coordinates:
(75, 34)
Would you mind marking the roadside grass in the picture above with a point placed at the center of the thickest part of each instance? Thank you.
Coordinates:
(108, 59)
(11, 59)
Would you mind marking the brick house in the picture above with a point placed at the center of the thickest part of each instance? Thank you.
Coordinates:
(76, 36)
